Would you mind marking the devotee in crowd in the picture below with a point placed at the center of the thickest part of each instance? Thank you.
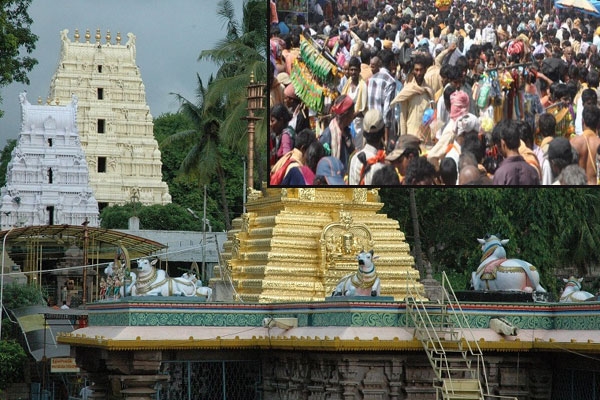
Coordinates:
(587, 144)
(276, 88)
(291, 159)
(560, 155)
(381, 90)
(449, 172)
(526, 146)
(509, 65)
(300, 113)
(304, 174)
(420, 172)
(407, 148)
(385, 176)
(572, 175)
(513, 170)
(356, 89)
(330, 172)
(459, 111)
(589, 97)
(547, 129)
(468, 123)
(281, 140)
(414, 99)
(337, 138)
(363, 161)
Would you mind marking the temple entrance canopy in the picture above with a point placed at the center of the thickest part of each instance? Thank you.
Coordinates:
(54, 256)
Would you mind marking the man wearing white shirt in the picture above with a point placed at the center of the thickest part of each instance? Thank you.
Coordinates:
(359, 172)
(469, 41)
(588, 98)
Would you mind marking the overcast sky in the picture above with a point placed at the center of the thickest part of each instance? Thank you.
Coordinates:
(170, 34)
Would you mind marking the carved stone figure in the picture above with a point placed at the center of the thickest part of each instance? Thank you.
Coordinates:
(496, 272)
(363, 282)
(572, 291)
(121, 280)
(155, 282)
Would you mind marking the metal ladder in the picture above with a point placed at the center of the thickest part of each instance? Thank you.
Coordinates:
(451, 347)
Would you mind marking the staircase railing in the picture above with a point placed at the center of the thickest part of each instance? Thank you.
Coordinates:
(443, 329)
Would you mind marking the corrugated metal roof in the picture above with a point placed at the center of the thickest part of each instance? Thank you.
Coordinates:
(99, 239)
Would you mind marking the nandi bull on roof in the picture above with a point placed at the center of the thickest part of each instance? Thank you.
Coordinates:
(363, 282)
(496, 272)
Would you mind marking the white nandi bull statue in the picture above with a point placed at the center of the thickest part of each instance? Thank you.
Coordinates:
(155, 282)
(363, 282)
(201, 290)
(496, 272)
(572, 292)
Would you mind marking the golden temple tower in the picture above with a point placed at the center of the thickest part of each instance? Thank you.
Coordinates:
(295, 244)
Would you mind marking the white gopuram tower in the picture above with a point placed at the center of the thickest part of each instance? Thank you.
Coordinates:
(114, 120)
(47, 180)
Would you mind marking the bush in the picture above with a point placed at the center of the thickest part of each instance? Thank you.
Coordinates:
(12, 363)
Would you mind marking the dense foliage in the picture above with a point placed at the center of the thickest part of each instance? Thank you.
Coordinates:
(16, 42)
(550, 228)
(5, 158)
(241, 56)
(15, 296)
(170, 217)
(13, 353)
(12, 362)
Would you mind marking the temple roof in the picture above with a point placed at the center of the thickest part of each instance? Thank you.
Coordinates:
(331, 338)
(161, 323)
(137, 246)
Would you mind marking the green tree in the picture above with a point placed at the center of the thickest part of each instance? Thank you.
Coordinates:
(16, 41)
(5, 159)
(546, 227)
(204, 159)
(12, 363)
(15, 296)
(117, 217)
(169, 217)
(13, 357)
(171, 156)
(240, 55)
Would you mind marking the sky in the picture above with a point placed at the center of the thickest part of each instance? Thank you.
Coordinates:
(170, 34)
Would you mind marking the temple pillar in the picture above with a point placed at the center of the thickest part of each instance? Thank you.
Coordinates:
(395, 379)
(375, 385)
(140, 387)
(100, 385)
(514, 380)
(139, 378)
(540, 381)
(419, 376)
(349, 381)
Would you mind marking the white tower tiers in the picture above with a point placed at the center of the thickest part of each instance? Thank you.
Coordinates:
(47, 179)
(114, 120)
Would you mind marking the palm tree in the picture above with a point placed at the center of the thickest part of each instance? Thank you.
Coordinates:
(204, 159)
(216, 113)
(242, 53)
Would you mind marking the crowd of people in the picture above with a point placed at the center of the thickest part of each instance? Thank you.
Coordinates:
(456, 92)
